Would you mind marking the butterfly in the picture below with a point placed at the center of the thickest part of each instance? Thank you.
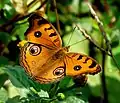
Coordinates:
(45, 60)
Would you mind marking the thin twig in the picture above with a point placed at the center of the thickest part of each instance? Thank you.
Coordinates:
(42, 4)
(106, 6)
(100, 25)
(103, 78)
(57, 17)
(86, 35)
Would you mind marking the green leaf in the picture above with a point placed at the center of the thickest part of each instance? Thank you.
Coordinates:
(3, 61)
(72, 99)
(3, 78)
(20, 79)
(114, 92)
(9, 11)
(115, 38)
(65, 2)
(43, 94)
(118, 22)
(117, 58)
(67, 81)
(20, 30)
(3, 95)
(3, 2)
(84, 7)
(15, 99)
(5, 37)
(60, 96)
(115, 43)
(17, 76)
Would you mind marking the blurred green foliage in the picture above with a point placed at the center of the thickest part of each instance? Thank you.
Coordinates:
(17, 87)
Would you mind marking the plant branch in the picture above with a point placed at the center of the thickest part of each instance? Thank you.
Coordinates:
(100, 25)
(86, 35)
(57, 17)
(103, 78)
(19, 17)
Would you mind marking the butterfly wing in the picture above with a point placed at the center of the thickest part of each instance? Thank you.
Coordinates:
(42, 42)
(41, 63)
(80, 80)
(52, 71)
(40, 31)
(33, 56)
(77, 64)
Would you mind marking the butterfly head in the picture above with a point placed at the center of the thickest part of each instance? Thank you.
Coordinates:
(66, 48)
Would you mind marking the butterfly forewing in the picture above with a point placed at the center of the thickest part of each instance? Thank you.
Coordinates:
(33, 56)
(40, 31)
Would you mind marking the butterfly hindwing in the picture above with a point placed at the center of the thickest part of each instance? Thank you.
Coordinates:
(52, 71)
(80, 80)
(77, 64)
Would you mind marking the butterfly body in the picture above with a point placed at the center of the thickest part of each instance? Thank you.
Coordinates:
(44, 58)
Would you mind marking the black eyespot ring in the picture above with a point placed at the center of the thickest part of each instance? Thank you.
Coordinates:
(35, 50)
(77, 67)
(59, 71)
(37, 34)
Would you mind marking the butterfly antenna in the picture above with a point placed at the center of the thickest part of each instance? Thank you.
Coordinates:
(71, 35)
(77, 42)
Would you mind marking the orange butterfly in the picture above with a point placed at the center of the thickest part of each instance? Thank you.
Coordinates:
(44, 58)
